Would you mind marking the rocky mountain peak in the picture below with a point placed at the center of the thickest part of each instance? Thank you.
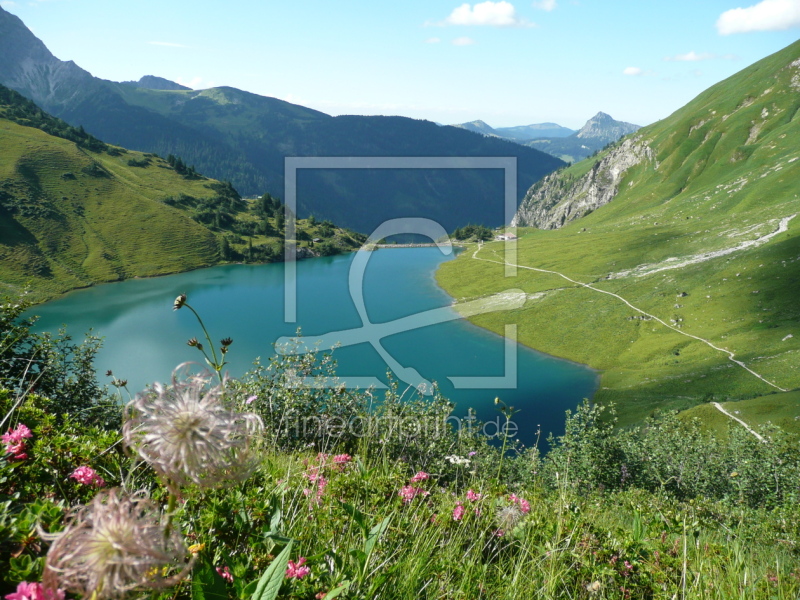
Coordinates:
(604, 126)
(31, 69)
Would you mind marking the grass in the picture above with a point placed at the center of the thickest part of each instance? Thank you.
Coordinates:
(782, 409)
(710, 192)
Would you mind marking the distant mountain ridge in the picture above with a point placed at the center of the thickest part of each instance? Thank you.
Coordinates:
(151, 82)
(597, 132)
(567, 144)
(520, 133)
(242, 137)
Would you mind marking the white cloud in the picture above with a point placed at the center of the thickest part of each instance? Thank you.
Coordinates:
(463, 41)
(767, 15)
(547, 5)
(691, 57)
(167, 44)
(634, 71)
(493, 14)
(7, 4)
(694, 57)
(433, 40)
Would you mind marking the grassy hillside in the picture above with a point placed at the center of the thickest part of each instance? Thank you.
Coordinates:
(725, 181)
(75, 211)
(781, 409)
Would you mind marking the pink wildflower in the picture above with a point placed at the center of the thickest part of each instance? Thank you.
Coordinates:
(15, 441)
(225, 573)
(87, 476)
(17, 450)
(473, 453)
(409, 492)
(473, 496)
(34, 591)
(297, 570)
(421, 476)
(321, 484)
(250, 399)
(524, 505)
(342, 459)
(458, 512)
(20, 433)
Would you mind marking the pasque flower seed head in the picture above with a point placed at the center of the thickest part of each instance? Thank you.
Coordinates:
(187, 434)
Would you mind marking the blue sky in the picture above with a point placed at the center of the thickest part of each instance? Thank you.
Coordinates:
(506, 62)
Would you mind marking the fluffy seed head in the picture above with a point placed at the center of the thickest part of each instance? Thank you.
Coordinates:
(113, 546)
(508, 517)
(188, 435)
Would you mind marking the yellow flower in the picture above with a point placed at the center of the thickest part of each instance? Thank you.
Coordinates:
(196, 548)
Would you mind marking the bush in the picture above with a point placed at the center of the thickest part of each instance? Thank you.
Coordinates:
(678, 457)
(53, 367)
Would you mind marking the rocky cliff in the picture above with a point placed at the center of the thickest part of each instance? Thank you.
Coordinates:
(560, 198)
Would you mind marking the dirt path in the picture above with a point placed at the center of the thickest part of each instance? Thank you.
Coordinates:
(731, 355)
(675, 263)
(718, 406)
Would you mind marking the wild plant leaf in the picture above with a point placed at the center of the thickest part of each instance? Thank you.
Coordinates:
(335, 592)
(207, 583)
(375, 534)
(357, 516)
(270, 583)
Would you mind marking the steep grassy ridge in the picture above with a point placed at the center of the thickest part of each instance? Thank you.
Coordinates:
(724, 176)
(71, 217)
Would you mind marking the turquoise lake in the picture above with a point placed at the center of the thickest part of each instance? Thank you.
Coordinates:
(144, 339)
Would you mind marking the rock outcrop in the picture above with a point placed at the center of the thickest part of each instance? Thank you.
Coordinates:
(558, 199)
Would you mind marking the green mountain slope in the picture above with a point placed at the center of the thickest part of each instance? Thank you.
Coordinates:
(692, 221)
(75, 211)
(244, 138)
(71, 216)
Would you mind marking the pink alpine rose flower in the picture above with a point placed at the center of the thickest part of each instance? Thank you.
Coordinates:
(225, 573)
(297, 570)
(524, 505)
(421, 476)
(15, 441)
(34, 591)
(409, 492)
(88, 476)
